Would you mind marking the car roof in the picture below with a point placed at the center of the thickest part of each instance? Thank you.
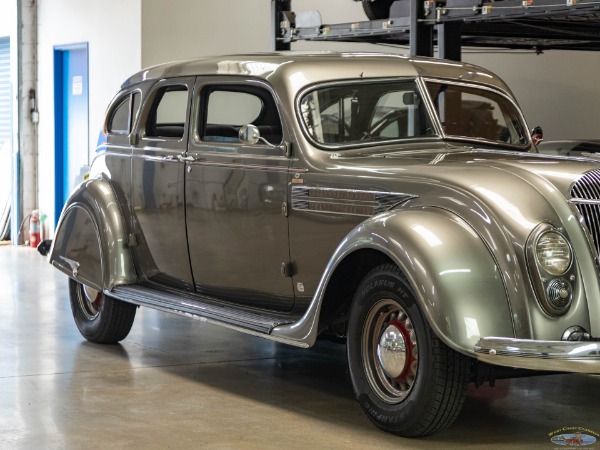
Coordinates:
(303, 68)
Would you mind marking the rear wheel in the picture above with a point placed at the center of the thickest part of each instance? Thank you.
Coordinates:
(98, 317)
(377, 9)
(406, 380)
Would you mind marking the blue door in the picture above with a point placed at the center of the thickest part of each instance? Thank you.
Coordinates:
(71, 120)
(5, 138)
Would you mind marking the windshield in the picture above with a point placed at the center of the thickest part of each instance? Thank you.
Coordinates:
(359, 113)
(476, 113)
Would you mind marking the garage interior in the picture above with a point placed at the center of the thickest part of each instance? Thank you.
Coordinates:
(180, 383)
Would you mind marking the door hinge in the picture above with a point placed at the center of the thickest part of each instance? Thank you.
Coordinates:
(131, 240)
(287, 269)
(284, 209)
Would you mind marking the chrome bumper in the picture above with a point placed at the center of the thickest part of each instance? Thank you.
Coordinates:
(562, 356)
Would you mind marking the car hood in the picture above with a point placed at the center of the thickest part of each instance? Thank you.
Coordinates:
(486, 187)
(469, 168)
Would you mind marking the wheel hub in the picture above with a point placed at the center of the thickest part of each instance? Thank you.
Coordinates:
(90, 301)
(391, 351)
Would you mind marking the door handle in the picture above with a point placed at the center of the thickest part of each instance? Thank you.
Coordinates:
(182, 158)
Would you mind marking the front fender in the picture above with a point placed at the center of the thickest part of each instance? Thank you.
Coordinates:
(91, 238)
(452, 272)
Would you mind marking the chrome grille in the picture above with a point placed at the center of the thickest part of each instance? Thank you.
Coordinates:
(585, 195)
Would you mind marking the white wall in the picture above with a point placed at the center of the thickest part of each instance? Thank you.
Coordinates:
(557, 90)
(181, 29)
(112, 29)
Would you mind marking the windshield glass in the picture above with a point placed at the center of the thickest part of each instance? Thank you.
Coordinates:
(474, 113)
(365, 112)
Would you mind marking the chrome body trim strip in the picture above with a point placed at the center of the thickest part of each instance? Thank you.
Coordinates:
(563, 356)
(345, 201)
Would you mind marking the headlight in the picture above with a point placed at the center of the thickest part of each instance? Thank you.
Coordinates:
(553, 253)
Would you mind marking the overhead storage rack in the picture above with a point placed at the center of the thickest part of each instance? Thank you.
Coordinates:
(536, 25)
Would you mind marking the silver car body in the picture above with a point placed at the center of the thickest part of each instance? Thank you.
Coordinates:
(457, 216)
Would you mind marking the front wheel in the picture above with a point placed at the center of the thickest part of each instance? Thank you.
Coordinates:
(406, 380)
(100, 318)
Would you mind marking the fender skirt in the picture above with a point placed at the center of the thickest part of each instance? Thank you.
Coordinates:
(91, 238)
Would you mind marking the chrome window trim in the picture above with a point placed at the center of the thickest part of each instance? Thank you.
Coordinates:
(147, 104)
(115, 103)
(484, 87)
(201, 83)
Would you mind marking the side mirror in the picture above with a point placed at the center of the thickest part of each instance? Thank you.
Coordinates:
(537, 135)
(249, 134)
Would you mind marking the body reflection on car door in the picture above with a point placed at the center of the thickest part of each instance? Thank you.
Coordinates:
(237, 233)
(158, 185)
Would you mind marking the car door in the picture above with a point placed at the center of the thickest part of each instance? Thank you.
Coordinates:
(157, 192)
(236, 197)
(115, 159)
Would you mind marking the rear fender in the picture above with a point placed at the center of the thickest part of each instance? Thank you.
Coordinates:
(91, 238)
(455, 278)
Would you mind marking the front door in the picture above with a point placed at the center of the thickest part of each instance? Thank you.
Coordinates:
(235, 195)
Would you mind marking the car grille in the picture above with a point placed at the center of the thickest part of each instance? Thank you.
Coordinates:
(585, 195)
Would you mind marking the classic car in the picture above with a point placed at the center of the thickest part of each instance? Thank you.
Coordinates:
(395, 203)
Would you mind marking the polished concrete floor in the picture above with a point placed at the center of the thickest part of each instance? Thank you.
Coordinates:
(180, 383)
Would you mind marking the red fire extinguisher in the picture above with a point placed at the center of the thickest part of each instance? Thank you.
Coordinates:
(34, 229)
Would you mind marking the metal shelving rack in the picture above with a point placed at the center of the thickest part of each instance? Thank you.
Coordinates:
(536, 25)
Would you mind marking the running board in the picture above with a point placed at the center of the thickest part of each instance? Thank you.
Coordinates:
(196, 308)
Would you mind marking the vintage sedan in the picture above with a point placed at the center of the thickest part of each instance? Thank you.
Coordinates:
(395, 203)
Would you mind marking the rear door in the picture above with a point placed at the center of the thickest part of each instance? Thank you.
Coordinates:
(157, 191)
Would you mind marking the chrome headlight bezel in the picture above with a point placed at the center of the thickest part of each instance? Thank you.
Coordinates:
(553, 264)
(546, 274)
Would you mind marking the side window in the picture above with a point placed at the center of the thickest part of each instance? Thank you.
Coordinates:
(124, 114)
(169, 112)
(119, 121)
(228, 109)
(472, 112)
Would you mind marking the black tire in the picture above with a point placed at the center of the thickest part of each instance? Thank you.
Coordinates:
(377, 9)
(428, 383)
(100, 318)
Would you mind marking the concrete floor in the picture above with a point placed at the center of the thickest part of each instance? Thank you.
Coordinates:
(180, 383)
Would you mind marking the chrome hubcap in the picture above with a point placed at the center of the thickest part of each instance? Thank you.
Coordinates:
(389, 351)
(90, 301)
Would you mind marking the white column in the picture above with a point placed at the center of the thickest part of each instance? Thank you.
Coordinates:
(28, 115)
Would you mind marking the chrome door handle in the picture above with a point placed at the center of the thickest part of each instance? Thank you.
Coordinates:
(185, 158)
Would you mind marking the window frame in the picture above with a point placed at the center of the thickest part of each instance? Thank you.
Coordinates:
(132, 117)
(477, 86)
(206, 85)
(153, 101)
(436, 132)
